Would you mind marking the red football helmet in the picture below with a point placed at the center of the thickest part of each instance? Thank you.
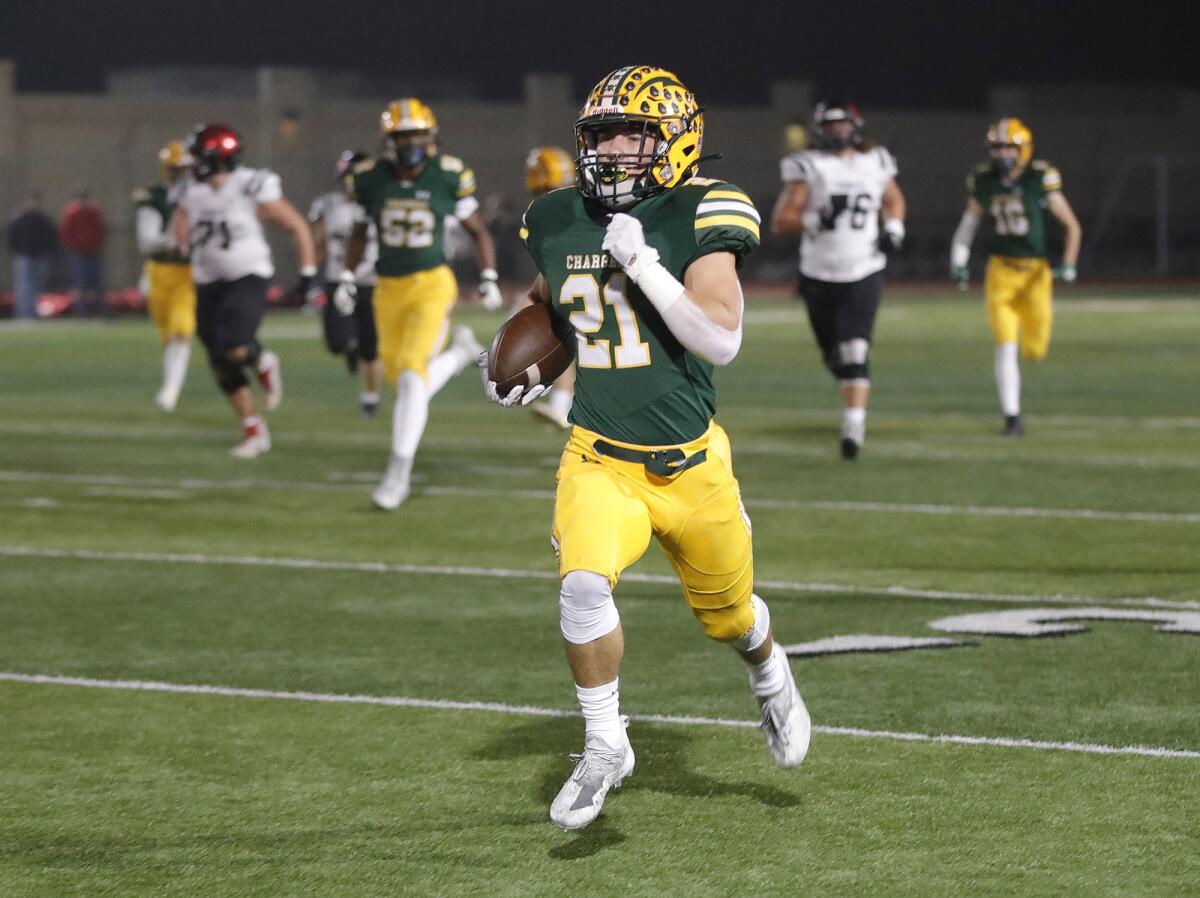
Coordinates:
(215, 148)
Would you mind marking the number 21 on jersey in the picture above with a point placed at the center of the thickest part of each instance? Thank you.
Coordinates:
(630, 351)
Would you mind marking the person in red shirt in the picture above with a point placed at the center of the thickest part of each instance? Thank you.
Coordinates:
(81, 232)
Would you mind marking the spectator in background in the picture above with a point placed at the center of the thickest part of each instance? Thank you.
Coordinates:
(32, 240)
(81, 231)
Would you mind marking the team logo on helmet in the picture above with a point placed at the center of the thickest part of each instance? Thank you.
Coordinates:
(1009, 132)
(409, 130)
(829, 133)
(173, 157)
(671, 133)
(214, 148)
(548, 168)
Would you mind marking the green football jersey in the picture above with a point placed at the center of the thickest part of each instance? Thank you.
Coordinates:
(157, 197)
(1018, 210)
(635, 382)
(409, 215)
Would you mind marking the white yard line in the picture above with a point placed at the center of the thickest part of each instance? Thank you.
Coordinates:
(533, 710)
(163, 487)
(881, 448)
(381, 567)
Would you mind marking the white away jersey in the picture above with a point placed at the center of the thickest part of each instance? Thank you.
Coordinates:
(226, 235)
(841, 219)
(340, 214)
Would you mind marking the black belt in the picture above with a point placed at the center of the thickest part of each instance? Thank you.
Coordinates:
(663, 462)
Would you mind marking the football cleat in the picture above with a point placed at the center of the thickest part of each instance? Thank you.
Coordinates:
(550, 413)
(850, 449)
(597, 771)
(393, 489)
(167, 398)
(785, 719)
(270, 378)
(465, 342)
(369, 409)
(252, 445)
(1012, 426)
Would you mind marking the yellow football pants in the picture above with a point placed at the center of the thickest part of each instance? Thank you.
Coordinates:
(1018, 303)
(606, 510)
(172, 299)
(412, 316)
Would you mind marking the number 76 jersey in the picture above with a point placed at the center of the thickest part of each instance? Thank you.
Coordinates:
(841, 219)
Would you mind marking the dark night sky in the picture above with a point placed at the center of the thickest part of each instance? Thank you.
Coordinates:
(930, 54)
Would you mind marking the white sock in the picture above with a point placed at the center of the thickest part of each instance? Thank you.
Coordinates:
(444, 366)
(410, 413)
(561, 401)
(768, 678)
(399, 467)
(1008, 379)
(175, 363)
(601, 714)
(854, 424)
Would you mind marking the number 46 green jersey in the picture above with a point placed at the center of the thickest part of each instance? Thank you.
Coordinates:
(409, 215)
(635, 382)
(1017, 210)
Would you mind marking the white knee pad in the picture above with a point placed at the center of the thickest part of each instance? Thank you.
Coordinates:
(758, 633)
(586, 608)
(854, 352)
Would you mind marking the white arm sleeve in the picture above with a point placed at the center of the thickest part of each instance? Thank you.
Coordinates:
(960, 245)
(151, 238)
(694, 330)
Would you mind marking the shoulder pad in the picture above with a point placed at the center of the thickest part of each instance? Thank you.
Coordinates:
(141, 195)
(698, 181)
(1039, 164)
(450, 163)
(365, 166)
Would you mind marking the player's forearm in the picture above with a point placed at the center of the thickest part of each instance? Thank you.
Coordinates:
(151, 237)
(964, 234)
(355, 247)
(786, 220)
(704, 325)
(485, 251)
(895, 207)
(305, 248)
(1072, 242)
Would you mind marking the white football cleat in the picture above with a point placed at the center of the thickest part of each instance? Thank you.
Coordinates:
(252, 445)
(786, 723)
(393, 489)
(167, 398)
(597, 771)
(464, 341)
(270, 378)
(549, 412)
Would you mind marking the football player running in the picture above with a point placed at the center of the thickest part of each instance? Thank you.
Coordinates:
(350, 330)
(1016, 190)
(834, 195)
(408, 192)
(219, 216)
(642, 261)
(170, 294)
(546, 169)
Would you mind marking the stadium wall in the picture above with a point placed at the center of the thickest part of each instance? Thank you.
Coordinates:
(56, 142)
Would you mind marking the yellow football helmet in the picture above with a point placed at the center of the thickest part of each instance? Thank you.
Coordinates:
(409, 129)
(548, 168)
(672, 130)
(173, 157)
(1010, 132)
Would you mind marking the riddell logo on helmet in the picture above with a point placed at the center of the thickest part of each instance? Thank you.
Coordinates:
(607, 108)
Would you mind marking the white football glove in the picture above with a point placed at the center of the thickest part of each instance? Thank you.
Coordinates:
(489, 290)
(345, 296)
(518, 395)
(626, 243)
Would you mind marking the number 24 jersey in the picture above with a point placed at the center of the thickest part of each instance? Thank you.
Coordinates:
(227, 240)
(841, 220)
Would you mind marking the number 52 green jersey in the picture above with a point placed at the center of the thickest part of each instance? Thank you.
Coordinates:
(1017, 210)
(635, 382)
(409, 215)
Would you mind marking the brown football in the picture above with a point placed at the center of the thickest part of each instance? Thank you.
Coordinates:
(533, 347)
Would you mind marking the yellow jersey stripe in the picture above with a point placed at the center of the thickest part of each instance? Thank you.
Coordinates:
(737, 221)
(727, 195)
